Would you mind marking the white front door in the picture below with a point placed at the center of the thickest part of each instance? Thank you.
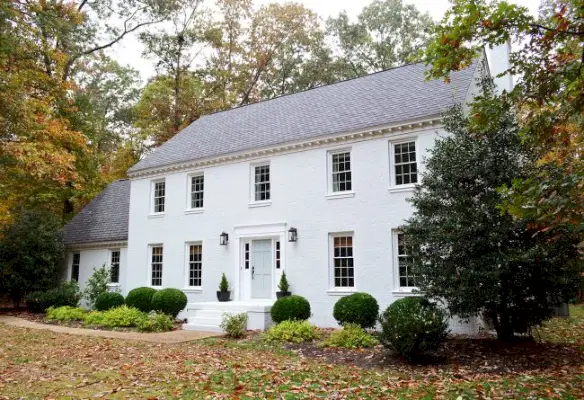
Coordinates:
(261, 269)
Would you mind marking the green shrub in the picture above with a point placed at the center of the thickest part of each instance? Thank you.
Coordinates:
(96, 284)
(66, 294)
(156, 322)
(116, 317)
(352, 336)
(169, 301)
(358, 308)
(141, 298)
(413, 326)
(66, 313)
(284, 286)
(107, 300)
(292, 331)
(234, 325)
(224, 284)
(291, 308)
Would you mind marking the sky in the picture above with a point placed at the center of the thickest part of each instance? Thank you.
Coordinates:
(129, 52)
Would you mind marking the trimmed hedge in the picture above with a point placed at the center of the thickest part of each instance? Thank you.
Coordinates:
(66, 294)
(413, 326)
(141, 298)
(291, 308)
(169, 301)
(358, 308)
(108, 300)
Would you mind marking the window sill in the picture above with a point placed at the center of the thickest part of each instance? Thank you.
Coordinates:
(338, 292)
(255, 204)
(405, 293)
(156, 215)
(194, 210)
(192, 290)
(113, 285)
(340, 195)
(402, 188)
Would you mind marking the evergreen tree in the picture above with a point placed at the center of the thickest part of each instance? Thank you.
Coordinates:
(465, 250)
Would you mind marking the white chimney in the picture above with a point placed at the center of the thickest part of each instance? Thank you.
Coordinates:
(498, 59)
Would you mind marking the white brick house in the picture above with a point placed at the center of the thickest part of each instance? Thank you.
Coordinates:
(336, 163)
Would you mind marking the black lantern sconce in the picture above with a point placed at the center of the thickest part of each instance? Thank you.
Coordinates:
(223, 239)
(292, 234)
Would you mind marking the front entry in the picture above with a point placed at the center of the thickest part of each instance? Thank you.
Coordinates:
(261, 269)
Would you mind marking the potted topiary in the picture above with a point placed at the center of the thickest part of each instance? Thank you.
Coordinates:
(223, 294)
(283, 286)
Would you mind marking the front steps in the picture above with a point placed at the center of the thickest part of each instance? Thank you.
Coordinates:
(207, 316)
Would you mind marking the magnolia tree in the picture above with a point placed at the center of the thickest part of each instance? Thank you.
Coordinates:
(465, 250)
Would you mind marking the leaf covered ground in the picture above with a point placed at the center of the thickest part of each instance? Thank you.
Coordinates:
(41, 364)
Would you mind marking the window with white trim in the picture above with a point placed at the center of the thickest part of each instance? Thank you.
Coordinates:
(115, 266)
(341, 178)
(342, 261)
(195, 265)
(262, 182)
(405, 163)
(406, 279)
(76, 261)
(197, 189)
(156, 265)
(158, 196)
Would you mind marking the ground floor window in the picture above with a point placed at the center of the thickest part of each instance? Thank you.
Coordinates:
(156, 265)
(407, 280)
(342, 261)
(195, 265)
(75, 267)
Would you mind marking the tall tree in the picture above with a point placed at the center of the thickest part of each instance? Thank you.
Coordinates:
(466, 252)
(548, 58)
(387, 33)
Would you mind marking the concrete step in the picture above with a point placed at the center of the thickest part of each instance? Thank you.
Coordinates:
(203, 328)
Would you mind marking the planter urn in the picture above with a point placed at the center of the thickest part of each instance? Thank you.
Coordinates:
(223, 296)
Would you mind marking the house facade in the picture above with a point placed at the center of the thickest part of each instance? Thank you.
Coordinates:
(314, 184)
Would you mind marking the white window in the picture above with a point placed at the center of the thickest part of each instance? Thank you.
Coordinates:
(405, 164)
(343, 272)
(195, 265)
(340, 169)
(75, 267)
(403, 262)
(158, 196)
(156, 265)
(115, 266)
(261, 187)
(196, 185)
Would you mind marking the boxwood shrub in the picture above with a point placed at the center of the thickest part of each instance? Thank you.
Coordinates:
(413, 326)
(169, 301)
(66, 294)
(140, 298)
(358, 308)
(106, 300)
(291, 308)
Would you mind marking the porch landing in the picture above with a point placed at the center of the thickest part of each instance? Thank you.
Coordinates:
(206, 316)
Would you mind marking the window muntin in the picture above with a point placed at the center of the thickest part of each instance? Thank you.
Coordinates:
(405, 164)
(262, 182)
(75, 266)
(195, 265)
(277, 254)
(159, 196)
(341, 172)
(156, 266)
(344, 271)
(115, 266)
(404, 263)
(197, 191)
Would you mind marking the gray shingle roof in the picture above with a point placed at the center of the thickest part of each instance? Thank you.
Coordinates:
(104, 219)
(383, 98)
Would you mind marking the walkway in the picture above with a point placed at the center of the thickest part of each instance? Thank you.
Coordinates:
(177, 336)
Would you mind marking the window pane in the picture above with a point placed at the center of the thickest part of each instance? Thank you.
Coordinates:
(262, 183)
(195, 265)
(405, 261)
(159, 193)
(156, 266)
(405, 163)
(341, 172)
(115, 266)
(197, 189)
(75, 267)
(343, 261)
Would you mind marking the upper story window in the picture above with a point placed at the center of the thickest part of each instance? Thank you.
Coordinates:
(158, 196)
(195, 265)
(115, 266)
(197, 184)
(75, 267)
(342, 261)
(341, 178)
(407, 280)
(156, 265)
(262, 182)
(405, 163)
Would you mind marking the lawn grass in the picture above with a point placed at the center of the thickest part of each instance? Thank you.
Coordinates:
(41, 364)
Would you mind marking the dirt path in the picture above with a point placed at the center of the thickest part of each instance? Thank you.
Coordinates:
(177, 336)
